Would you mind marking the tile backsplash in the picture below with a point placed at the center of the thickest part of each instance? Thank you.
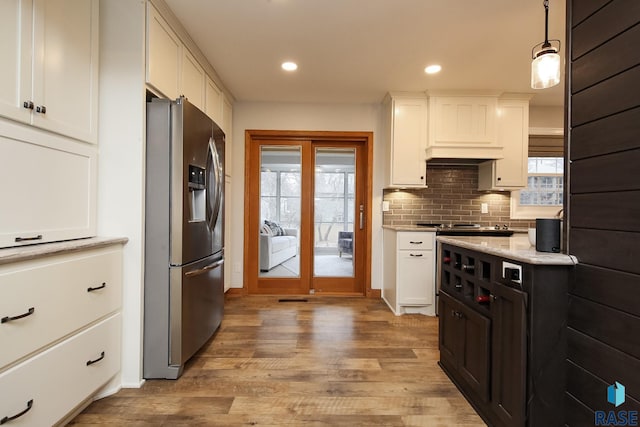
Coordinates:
(451, 196)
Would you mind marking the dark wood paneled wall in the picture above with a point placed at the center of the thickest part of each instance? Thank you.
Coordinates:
(604, 205)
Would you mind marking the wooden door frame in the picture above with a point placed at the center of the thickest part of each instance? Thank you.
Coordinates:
(253, 136)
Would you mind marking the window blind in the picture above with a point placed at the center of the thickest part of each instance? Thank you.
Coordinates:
(546, 146)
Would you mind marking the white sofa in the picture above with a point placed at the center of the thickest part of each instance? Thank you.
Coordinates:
(275, 250)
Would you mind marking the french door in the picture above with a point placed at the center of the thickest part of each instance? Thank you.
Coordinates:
(307, 217)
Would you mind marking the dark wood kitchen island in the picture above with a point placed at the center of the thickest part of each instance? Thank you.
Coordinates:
(503, 311)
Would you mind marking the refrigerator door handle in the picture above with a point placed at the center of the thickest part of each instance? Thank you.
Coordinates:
(214, 186)
(204, 269)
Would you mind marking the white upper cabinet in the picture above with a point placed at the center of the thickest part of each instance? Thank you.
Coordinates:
(510, 172)
(463, 127)
(213, 101)
(406, 130)
(49, 70)
(193, 80)
(164, 51)
(15, 69)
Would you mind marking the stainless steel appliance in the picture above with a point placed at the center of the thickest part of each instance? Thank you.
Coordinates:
(184, 235)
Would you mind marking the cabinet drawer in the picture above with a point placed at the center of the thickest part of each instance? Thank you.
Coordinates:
(415, 241)
(60, 378)
(58, 291)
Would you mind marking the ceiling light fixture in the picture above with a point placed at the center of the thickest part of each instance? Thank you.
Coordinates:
(545, 67)
(432, 69)
(289, 66)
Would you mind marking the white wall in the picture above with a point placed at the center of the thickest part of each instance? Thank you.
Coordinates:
(121, 161)
(546, 117)
(309, 117)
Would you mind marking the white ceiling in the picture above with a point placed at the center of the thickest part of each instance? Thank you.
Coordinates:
(354, 51)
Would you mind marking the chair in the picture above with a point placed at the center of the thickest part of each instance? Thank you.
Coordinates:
(345, 242)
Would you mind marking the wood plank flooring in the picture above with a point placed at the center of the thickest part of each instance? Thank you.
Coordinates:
(327, 362)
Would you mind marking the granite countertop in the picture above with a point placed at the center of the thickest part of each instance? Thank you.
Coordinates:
(23, 253)
(516, 247)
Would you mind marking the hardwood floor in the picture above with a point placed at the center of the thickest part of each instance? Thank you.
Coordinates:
(326, 362)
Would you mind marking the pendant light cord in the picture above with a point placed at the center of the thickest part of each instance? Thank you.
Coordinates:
(546, 24)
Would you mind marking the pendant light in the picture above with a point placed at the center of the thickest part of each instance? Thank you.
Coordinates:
(545, 67)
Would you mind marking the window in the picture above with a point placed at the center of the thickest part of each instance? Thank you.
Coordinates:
(543, 196)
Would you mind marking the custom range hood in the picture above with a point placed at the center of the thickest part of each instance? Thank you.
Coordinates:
(472, 128)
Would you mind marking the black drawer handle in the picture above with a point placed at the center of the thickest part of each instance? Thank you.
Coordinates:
(9, 319)
(7, 419)
(415, 255)
(91, 362)
(415, 243)
(104, 285)
(26, 239)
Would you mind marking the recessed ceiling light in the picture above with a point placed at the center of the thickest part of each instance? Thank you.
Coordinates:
(432, 69)
(289, 66)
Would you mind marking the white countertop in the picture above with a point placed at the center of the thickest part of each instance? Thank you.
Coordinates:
(23, 253)
(516, 247)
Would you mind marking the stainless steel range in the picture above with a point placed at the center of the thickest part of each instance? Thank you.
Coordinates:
(467, 229)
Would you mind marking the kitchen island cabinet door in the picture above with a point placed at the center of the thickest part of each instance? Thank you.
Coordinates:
(465, 344)
(509, 355)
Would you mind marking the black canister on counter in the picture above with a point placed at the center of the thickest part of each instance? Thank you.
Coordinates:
(548, 235)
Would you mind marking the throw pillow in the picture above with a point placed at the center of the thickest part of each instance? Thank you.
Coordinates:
(275, 228)
(266, 230)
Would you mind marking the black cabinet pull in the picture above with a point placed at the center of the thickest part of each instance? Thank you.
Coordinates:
(7, 419)
(415, 243)
(415, 255)
(26, 239)
(104, 285)
(28, 105)
(9, 319)
(41, 109)
(91, 362)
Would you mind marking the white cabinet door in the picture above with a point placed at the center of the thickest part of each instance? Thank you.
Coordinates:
(193, 80)
(164, 51)
(510, 172)
(15, 51)
(213, 101)
(65, 73)
(49, 72)
(415, 277)
(49, 184)
(408, 141)
(513, 134)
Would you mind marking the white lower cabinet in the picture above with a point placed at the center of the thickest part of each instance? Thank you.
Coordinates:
(58, 379)
(60, 329)
(409, 271)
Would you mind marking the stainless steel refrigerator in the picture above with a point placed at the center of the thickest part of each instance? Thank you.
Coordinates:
(184, 235)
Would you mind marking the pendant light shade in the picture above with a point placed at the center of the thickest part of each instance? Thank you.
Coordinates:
(545, 68)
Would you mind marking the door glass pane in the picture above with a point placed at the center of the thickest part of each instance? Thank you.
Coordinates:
(280, 189)
(334, 211)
